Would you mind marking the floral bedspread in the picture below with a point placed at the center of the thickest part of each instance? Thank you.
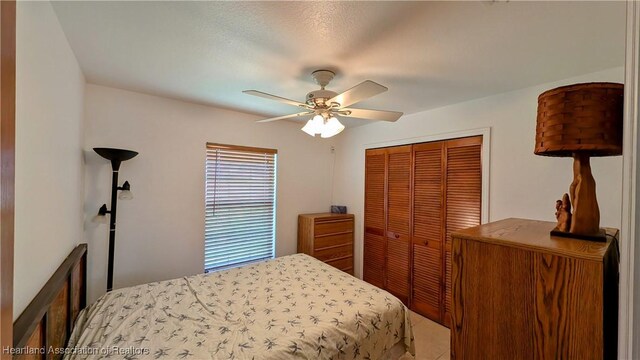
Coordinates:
(292, 307)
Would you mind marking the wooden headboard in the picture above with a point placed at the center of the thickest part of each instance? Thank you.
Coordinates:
(48, 320)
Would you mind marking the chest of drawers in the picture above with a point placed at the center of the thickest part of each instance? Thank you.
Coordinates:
(327, 237)
(519, 293)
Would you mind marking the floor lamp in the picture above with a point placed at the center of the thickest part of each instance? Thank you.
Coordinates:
(116, 156)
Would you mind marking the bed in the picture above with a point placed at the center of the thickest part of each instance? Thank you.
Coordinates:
(292, 307)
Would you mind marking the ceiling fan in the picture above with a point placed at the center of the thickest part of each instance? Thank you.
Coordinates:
(325, 105)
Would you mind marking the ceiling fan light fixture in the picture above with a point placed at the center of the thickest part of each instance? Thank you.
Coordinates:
(331, 128)
(314, 126)
(309, 128)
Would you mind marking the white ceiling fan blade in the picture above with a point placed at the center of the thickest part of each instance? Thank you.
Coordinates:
(286, 117)
(371, 114)
(276, 98)
(362, 91)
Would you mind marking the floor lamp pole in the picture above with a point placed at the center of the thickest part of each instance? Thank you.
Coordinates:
(112, 222)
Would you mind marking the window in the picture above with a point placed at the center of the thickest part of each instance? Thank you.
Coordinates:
(240, 203)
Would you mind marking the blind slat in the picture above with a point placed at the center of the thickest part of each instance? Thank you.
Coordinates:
(213, 247)
(237, 227)
(239, 206)
(227, 233)
(241, 251)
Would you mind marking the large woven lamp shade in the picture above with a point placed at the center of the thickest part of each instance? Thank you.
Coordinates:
(580, 121)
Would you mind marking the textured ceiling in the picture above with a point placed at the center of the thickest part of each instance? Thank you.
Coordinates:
(428, 54)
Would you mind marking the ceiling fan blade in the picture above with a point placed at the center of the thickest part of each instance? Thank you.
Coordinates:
(274, 97)
(286, 117)
(362, 91)
(371, 114)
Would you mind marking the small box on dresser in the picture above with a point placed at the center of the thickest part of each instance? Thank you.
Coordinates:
(327, 237)
(520, 293)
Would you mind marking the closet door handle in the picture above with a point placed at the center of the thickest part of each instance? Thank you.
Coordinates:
(397, 236)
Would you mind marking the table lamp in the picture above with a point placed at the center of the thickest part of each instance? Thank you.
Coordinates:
(580, 121)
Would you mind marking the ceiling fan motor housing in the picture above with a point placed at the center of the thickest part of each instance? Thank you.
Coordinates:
(320, 97)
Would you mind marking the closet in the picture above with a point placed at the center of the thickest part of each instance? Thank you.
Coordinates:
(415, 197)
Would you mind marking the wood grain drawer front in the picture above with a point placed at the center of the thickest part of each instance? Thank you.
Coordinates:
(342, 264)
(332, 240)
(327, 227)
(334, 252)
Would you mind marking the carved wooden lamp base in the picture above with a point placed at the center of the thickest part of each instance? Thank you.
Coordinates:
(584, 223)
(601, 235)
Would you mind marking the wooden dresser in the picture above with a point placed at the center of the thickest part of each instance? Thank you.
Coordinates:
(327, 237)
(519, 293)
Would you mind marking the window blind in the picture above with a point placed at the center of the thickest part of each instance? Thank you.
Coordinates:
(240, 205)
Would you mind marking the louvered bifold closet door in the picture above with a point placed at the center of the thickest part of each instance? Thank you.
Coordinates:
(239, 205)
(463, 198)
(398, 221)
(374, 253)
(428, 232)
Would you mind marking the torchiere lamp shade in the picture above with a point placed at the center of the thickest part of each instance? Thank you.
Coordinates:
(115, 155)
(580, 121)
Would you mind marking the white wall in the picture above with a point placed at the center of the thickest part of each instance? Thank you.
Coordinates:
(160, 233)
(49, 167)
(521, 184)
